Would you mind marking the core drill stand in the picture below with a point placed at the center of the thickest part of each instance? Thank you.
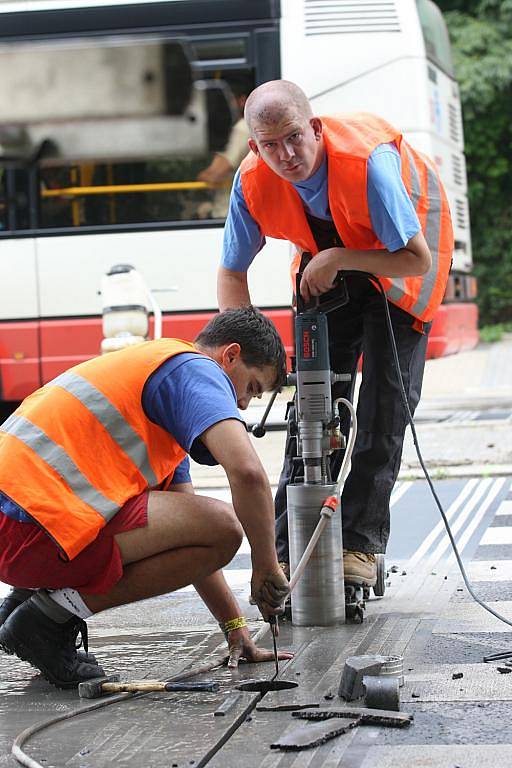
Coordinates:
(318, 445)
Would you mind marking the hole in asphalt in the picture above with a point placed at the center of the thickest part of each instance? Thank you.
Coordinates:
(265, 686)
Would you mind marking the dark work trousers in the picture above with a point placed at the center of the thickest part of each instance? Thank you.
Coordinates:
(360, 327)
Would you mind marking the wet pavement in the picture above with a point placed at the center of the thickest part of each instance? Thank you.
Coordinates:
(426, 615)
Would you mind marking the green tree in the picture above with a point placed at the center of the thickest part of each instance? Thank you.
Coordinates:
(481, 36)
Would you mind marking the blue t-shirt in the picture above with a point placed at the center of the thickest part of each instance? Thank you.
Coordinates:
(186, 395)
(392, 212)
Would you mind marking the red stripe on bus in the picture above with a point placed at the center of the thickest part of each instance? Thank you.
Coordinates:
(32, 353)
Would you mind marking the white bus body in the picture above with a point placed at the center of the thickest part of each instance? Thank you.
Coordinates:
(374, 56)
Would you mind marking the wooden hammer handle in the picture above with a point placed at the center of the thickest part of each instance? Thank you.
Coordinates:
(148, 685)
(157, 685)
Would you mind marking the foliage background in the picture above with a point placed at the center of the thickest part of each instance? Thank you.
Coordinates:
(481, 34)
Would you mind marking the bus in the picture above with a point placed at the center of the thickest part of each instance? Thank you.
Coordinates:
(88, 182)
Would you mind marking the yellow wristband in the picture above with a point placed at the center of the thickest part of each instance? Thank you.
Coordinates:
(232, 624)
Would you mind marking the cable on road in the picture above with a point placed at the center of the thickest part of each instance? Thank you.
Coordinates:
(410, 420)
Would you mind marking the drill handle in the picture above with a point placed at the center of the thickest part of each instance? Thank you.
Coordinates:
(303, 306)
(336, 297)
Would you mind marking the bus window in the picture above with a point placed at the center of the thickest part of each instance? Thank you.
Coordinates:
(137, 164)
(435, 34)
(117, 193)
(159, 189)
(215, 52)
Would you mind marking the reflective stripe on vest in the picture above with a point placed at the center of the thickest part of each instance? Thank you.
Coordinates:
(432, 232)
(110, 417)
(57, 458)
(74, 471)
(432, 229)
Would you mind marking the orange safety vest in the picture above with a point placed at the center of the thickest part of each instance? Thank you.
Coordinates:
(349, 141)
(78, 448)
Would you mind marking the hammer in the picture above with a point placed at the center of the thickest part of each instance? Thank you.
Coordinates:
(97, 686)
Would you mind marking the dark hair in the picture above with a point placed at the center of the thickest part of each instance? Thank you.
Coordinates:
(260, 343)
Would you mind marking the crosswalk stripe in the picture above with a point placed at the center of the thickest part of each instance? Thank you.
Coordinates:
(505, 508)
(424, 547)
(497, 535)
(399, 490)
(475, 520)
(489, 570)
(474, 511)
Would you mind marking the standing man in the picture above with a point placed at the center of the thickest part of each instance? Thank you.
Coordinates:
(96, 505)
(350, 190)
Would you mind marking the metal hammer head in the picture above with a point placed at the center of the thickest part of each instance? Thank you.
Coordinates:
(92, 689)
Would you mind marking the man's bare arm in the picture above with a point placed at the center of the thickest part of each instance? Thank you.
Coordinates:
(219, 170)
(232, 289)
(229, 443)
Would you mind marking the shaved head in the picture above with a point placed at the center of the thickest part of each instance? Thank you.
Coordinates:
(268, 104)
(284, 132)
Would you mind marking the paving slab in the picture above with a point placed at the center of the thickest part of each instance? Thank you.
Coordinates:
(433, 756)
(466, 648)
(473, 618)
(457, 682)
(483, 722)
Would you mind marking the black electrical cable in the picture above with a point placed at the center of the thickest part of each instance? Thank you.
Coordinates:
(403, 393)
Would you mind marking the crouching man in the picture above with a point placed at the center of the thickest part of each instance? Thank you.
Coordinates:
(96, 505)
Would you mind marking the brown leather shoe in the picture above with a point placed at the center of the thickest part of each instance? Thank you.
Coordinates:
(359, 568)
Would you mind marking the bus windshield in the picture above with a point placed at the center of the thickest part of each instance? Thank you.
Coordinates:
(435, 34)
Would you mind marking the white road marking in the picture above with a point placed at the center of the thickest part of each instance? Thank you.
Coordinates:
(505, 508)
(468, 488)
(398, 491)
(489, 570)
(497, 535)
(475, 521)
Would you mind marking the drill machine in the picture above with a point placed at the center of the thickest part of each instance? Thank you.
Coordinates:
(315, 443)
(318, 598)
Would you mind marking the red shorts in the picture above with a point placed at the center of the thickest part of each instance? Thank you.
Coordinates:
(29, 559)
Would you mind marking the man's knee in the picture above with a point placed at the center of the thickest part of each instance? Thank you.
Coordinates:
(229, 533)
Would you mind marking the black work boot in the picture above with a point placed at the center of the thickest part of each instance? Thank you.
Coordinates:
(11, 602)
(7, 606)
(48, 645)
